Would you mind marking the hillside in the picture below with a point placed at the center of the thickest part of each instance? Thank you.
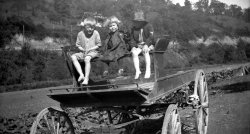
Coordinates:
(166, 17)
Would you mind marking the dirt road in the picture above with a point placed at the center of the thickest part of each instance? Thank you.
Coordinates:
(230, 113)
(229, 106)
(16, 103)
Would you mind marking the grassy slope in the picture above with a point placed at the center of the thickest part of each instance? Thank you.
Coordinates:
(231, 22)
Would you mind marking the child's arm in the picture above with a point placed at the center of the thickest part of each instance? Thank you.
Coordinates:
(93, 48)
(78, 42)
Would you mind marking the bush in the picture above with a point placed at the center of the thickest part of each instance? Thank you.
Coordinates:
(213, 54)
(29, 65)
(242, 31)
(229, 54)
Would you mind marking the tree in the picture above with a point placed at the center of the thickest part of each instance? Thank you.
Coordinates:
(62, 7)
(217, 7)
(202, 6)
(246, 15)
(187, 4)
(127, 11)
(235, 11)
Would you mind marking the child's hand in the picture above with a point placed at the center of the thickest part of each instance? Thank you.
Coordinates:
(145, 49)
(82, 49)
(151, 47)
(86, 51)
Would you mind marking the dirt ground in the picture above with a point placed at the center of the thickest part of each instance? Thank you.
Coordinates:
(228, 112)
(230, 106)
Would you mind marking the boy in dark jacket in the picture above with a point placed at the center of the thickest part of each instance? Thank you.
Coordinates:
(142, 40)
(114, 45)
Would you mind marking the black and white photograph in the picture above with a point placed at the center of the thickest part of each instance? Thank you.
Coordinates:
(124, 67)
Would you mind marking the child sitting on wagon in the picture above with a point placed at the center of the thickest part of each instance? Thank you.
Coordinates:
(114, 45)
(142, 40)
(88, 41)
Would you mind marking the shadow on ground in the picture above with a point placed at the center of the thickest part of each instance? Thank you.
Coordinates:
(233, 85)
(237, 87)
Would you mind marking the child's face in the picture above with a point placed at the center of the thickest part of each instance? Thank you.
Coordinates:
(113, 27)
(139, 24)
(88, 29)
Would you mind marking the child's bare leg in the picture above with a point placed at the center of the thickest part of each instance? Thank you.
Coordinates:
(87, 70)
(135, 53)
(78, 67)
(148, 62)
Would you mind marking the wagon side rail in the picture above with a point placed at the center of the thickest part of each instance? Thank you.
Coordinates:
(163, 86)
(164, 83)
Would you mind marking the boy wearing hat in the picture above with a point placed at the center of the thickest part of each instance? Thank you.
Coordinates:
(88, 41)
(142, 40)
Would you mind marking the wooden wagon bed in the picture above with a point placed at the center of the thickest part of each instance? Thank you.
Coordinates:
(120, 94)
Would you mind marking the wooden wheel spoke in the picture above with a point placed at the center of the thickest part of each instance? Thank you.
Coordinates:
(205, 117)
(205, 121)
(57, 128)
(47, 122)
(204, 111)
(52, 122)
(174, 118)
(174, 121)
(205, 94)
(177, 125)
(40, 125)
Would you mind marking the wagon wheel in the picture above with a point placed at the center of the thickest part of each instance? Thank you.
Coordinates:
(52, 121)
(202, 112)
(172, 122)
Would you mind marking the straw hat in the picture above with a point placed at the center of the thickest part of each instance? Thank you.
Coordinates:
(88, 21)
(139, 16)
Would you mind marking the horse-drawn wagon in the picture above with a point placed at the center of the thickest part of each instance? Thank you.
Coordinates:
(178, 101)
